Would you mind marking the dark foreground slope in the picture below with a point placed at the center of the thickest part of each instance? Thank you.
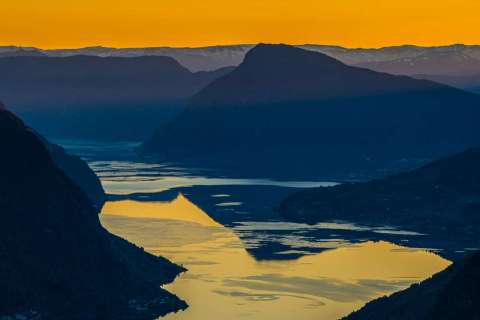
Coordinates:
(56, 260)
(77, 170)
(449, 295)
(294, 112)
(442, 194)
(98, 98)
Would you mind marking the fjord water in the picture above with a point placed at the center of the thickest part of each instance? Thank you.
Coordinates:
(243, 261)
(225, 282)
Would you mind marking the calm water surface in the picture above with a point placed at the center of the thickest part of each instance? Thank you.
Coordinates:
(243, 261)
(225, 282)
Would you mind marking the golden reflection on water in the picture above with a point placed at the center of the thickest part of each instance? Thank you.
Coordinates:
(224, 282)
(179, 209)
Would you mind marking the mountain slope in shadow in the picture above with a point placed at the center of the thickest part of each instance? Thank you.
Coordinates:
(298, 113)
(56, 260)
(98, 98)
(442, 194)
(467, 82)
(80, 173)
(450, 294)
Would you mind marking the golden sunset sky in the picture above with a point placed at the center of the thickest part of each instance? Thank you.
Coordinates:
(140, 23)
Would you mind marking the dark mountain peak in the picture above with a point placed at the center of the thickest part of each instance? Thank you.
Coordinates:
(98, 47)
(282, 73)
(273, 54)
(283, 98)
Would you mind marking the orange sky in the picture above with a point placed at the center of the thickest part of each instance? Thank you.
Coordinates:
(128, 23)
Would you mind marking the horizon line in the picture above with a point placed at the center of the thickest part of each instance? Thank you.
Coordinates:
(236, 45)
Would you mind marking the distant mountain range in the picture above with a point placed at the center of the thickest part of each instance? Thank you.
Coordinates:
(448, 295)
(56, 260)
(72, 92)
(456, 61)
(195, 59)
(291, 111)
(436, 63)
(457, 66)
(98, 98)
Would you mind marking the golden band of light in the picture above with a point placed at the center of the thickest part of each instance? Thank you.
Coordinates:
(351, 23)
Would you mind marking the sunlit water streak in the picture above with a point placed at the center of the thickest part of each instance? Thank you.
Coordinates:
(225, 282)
(127, 177)
(123, 173)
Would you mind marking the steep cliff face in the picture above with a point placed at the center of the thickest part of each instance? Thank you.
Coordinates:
(56, 260)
